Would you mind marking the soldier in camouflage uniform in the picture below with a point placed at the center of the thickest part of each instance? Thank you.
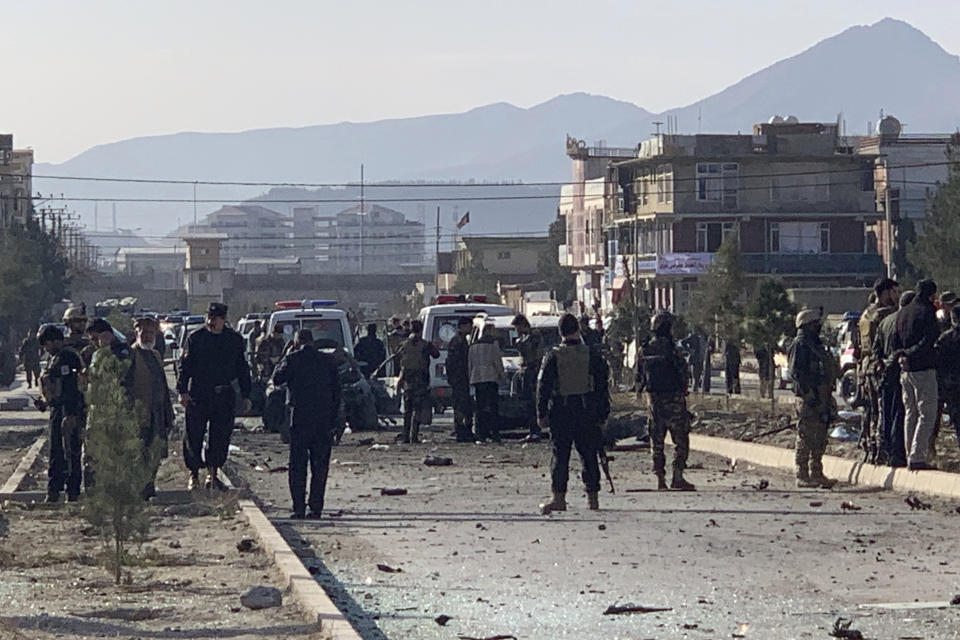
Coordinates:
(75, 319)
(664, 375)
(270, 350)
(886, 293)
(814, 373)
(414, 357)
(573, 400)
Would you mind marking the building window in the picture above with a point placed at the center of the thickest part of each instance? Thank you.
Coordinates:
(504, 255)
(664, 178)
(719, 182)
(710, 235)
(202, 278)
(774, 237)
(824, 237)
(800, 237)
(204, 252)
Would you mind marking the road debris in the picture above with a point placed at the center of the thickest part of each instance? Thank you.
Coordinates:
(385, 491)
(762, 485)
(280, 469)
(247, 545)
(437, 461)
(442, 620)
(379, 447)
(261, 597)
(125, 614)
(488, 638)
(846, 505)
(388, 569)
(816, 503)
(916, 504)
(955, 600)
(841, 629)
(615, 610)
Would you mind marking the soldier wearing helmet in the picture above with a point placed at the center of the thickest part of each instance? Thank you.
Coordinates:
(664, 375)
(814, 373)
(75, 319)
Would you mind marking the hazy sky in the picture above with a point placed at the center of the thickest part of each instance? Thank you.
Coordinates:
(77, 74)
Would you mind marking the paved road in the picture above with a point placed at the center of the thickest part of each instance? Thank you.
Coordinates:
(727, 560)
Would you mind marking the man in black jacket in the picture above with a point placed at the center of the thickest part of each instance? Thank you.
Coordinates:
(370, 350)
(948, 369)
(885, 345)
(213, 370)
(458, 377)
(917, 331)
(313, 392)
(573, 400)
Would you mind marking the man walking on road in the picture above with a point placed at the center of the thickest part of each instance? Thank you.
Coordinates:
(664, 375)
(30, 359)
(214, 378)
(572, 401)
(61, 393)
(458, 377)
(917, 331)
(814, 374)
(313, 392)
(414, 357)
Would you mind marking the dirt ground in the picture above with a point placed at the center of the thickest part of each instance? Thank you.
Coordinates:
(184, 581)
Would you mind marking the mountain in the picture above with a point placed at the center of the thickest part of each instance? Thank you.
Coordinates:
(889, 65)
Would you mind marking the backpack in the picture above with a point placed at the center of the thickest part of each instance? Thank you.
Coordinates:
(573, 370)
(411, 357)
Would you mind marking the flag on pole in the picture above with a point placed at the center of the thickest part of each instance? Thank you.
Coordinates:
(464, 221)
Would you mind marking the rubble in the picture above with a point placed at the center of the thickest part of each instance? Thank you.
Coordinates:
(841, 629)
(436, 461)
(247, 545)
(261, 597)
(442, 620)
(388, 569)
(916, 504)
(614, 610)
(385, 491)
(846, 505)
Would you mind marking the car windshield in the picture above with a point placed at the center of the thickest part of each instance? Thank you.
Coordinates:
(322, 329)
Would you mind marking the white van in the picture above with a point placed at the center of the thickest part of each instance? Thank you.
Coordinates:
(440, 326)
(325, 322)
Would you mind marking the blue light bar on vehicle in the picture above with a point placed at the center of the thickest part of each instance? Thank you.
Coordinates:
(319, 303)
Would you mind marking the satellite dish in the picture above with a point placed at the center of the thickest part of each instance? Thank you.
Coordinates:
(889, 126)
(792, 120)
(775, 120)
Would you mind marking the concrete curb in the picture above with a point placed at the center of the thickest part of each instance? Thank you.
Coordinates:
(13, 482)
(938, 483)
(308, 592)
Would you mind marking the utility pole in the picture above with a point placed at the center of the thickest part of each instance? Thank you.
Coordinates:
(361, 217)
(436, 280)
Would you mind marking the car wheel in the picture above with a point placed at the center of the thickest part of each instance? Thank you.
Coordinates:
(849, 389)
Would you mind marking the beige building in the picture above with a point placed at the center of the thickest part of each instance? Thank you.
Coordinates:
(16, 169)
(204, 277)
(512, 259)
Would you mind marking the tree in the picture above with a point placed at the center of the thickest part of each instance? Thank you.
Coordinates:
(561, 280)
(476, 279)
(936, 251)
(716, 301)
(33, 275)
(115, 505)
(769, 315)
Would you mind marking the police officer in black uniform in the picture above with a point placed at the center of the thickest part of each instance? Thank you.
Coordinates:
(313, 392)
(531, 355)
(61, 393)
(213, 370)
(572, 401)
(458, 377)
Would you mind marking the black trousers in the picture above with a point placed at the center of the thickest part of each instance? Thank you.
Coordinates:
(213, 414)
(571, 425)
(462, 411)
(309, 443)
(892, 447)
(66, 447)
(488, 409)
(528, 389)
(732, 375)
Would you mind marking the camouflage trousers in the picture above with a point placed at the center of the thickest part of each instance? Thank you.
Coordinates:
(811, 437)
(668, 413)
(416, 399)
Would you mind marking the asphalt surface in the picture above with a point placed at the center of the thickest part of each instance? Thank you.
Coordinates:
(728, 561)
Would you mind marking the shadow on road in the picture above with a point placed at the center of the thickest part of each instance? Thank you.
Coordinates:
(73, 627)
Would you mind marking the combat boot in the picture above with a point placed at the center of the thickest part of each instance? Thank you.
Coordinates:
(557, 503)
(661, 481)
(817, 477)
(194, 481)
(804, 481)
(415, 434)
(680, 483)
(593, 500)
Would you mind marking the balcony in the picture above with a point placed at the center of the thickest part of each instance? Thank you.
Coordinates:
(813, 263)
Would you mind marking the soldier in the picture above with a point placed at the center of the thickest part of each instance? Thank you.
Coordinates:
(573, 401)
(29, 353)
(103, 338)
(61, 393)
(458, 377)
(370, 350)
(269, 351)
(75, 319)
(886, 291)
(415, 355)
(948, 299)
(814, 374)
(395, 335)
(663, 373)
(313, 393)
(148, 386)
(694, 345)
(531, 354)
(948, 369)
(731, 365)
(213, 372)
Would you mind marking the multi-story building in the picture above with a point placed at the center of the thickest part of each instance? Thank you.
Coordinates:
(372, 239)
(513, 259)
(798, 197)
(16, 170)
(908, 169)
(583, 203)
(251, 231)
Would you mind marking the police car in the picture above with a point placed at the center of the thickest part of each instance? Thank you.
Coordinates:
(325, 322)
(440, 326)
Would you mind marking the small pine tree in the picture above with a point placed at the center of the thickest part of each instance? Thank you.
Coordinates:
(115, 504)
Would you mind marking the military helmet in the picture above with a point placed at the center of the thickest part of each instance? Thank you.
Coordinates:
(74, 313)
(659, 320)
(807, 316)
